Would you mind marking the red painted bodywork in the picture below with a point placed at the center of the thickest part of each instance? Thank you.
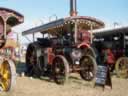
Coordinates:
(110, 58)
(50, 55)
(84, 37)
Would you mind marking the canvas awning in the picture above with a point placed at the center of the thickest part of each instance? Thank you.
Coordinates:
(85, 20)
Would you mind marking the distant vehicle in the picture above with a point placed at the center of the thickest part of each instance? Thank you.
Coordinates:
(113, 49)
(65, 47)
(8, 19)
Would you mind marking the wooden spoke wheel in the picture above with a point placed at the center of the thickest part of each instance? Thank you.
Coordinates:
(122, 67)
(89, 51)
(32, 60)
(60, 69)
(88, 68)
(7, 75)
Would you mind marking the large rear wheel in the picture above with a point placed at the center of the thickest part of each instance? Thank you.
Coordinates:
(33, 60)
(88, 68)
(60, 69)
(121, 67)
(7, 75)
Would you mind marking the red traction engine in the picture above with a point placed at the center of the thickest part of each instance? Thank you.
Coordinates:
(65, 47)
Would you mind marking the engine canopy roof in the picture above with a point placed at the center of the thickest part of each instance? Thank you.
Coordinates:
(60, 23)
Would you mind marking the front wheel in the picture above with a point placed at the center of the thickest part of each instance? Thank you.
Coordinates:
(7, 75)
(88, 68)
(60, 69)
(89, 51)
(121, 67)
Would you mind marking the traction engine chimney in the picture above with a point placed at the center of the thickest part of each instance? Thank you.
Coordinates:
(73, 9)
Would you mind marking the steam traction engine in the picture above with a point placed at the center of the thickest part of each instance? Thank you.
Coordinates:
(8, 19)
(112, 45)
(65, 47)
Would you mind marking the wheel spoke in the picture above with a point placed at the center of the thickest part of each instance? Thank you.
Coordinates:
(5, 83)
(5, 76)
(32, 60)
(59, 70)
(87, 68)
(122, 67)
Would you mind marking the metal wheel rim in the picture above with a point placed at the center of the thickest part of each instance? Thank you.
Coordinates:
(87, 68)
(88, 51)
(122, 67)
(31, 59)
(59, 70)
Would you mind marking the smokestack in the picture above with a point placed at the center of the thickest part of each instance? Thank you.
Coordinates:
(73, 9)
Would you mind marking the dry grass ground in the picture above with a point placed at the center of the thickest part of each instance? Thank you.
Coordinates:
(74, 87)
